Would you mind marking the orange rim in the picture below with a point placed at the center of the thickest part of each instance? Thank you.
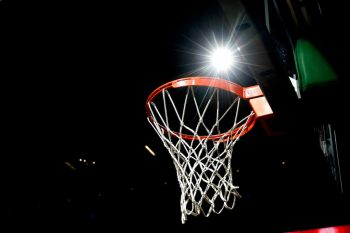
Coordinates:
(243, 92)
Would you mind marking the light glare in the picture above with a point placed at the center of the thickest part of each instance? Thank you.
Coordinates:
(150, 150)
(222, 59)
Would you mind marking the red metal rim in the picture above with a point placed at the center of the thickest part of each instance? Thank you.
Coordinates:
(209, 82)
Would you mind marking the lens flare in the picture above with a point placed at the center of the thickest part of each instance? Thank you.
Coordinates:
(222, 59)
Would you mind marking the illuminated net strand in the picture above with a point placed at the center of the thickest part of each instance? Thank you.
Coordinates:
(203, 166)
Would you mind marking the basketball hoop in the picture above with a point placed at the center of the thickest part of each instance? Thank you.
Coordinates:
(199, 120)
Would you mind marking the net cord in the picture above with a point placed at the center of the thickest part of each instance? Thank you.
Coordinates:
(203, 165)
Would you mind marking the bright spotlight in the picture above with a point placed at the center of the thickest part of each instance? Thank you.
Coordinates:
(222, 59)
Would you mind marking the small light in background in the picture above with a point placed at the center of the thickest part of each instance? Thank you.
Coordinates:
(80, 160)
(283, 162)
(93, 162)
(84, 160)
(150, 151)
(237, 170)
(68, 164)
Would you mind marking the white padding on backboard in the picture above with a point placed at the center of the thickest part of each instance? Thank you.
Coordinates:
(261, 107)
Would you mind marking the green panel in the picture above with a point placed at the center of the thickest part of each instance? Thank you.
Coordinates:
(313, 69)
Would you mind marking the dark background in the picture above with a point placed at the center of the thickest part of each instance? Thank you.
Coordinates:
(75, 79)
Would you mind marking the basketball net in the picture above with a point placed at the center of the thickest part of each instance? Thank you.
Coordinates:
(201, 149)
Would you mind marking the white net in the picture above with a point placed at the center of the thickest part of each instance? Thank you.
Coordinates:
(199, 130)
